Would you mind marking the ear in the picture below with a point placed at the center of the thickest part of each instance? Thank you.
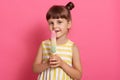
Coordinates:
(69, 24)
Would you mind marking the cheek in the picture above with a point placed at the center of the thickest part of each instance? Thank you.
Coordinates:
(62, 26)
(50, 27)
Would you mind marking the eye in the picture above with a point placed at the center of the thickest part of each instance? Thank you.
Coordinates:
(50, 23)
(59, 22)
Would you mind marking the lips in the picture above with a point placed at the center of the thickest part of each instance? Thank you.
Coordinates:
(57, 31)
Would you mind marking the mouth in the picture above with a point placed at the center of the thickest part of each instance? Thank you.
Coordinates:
(57, 31)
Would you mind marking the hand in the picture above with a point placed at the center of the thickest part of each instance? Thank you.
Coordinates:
(55, 61)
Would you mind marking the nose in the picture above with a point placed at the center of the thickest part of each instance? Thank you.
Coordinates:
(55, 26)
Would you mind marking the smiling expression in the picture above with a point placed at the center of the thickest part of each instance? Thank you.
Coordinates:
(60, 26)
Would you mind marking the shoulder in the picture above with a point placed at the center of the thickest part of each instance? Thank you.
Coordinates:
(74, 46)
(47, 41)
(73, 43)
(70, 42)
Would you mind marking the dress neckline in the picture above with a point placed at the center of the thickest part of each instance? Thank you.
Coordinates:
(61, 44)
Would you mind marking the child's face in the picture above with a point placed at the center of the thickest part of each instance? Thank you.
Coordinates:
(60, 26)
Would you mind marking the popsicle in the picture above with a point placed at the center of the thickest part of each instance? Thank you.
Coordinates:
(53, 42)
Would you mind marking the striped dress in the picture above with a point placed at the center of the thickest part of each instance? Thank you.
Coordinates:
(65, 52)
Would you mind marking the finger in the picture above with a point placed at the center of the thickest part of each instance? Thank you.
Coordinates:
(53, 63)
(56, 55)
(52, 59)
(54, 66)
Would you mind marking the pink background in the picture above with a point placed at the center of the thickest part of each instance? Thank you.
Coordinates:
(95, 29)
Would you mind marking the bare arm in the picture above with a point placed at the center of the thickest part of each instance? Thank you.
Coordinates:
(39, 65)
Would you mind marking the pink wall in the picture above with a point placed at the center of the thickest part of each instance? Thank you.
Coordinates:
(95, 29)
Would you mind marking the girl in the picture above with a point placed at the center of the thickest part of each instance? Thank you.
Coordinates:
(65, 64)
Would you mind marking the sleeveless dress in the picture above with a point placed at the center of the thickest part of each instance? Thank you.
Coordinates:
(65, 52)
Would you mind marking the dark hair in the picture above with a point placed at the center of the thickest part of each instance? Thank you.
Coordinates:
(59, 11)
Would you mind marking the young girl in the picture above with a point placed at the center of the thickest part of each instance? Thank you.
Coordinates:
(65, 63)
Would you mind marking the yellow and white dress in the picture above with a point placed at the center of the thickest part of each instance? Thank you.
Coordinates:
(65, 52)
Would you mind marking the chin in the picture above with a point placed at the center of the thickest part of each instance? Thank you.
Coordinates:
(58, 36)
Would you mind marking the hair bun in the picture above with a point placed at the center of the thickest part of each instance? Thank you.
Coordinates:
(70, 6)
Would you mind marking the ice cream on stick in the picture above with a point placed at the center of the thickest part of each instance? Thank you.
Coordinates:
(53, 42)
